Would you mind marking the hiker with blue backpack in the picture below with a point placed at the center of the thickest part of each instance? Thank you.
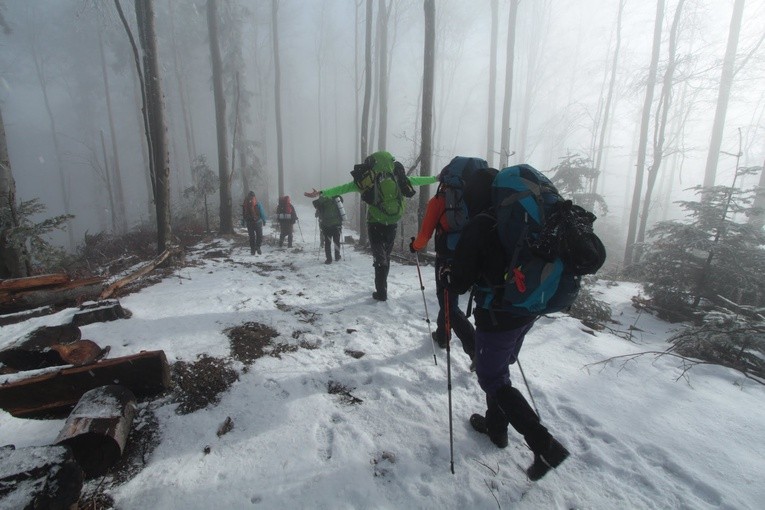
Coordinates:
(522, 253)
(383, 185)
(447, 215)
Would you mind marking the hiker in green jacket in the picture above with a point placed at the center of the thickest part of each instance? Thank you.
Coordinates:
(383, 184)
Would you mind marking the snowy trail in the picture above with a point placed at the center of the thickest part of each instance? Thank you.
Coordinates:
(638, 438)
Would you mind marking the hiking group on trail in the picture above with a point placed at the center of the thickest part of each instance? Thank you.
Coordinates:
(506, 236)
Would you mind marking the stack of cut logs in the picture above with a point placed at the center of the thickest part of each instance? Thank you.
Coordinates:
(53, 371)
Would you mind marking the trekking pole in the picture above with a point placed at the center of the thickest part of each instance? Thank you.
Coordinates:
(301, 232)
(448, 327)
(527, 386)
(427, 316)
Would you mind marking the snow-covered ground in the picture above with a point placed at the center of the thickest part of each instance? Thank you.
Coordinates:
(640, 435)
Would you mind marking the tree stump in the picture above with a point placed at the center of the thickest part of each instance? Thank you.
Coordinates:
(98, 427)
(39, 477)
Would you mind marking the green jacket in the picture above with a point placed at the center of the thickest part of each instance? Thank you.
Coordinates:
(376, 214)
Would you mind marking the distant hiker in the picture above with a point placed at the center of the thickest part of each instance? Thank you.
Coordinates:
(447, 214)
(255, 217)
(481, 262)
(286, 216)
(383, 184)
(330, 212)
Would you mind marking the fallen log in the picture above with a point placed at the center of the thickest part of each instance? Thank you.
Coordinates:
(100, 311)
(13, 318)
(98, 428)
(31, 282)
(39, 477)
(145, 374)
(147, 268)
(68, 293)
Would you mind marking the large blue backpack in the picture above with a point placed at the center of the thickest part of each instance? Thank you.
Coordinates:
(548, 242)
(452, 184)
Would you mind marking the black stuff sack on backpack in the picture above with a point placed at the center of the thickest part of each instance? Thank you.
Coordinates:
(548, 243)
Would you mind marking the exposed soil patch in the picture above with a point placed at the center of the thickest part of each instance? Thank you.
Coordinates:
(354, 354)
(252, 340)
(344, 392)
(200, 384)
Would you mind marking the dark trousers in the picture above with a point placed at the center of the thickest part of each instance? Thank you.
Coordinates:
(285, 230)
(381, 238)
(255, 231)
(329, 235)
(495, 352)
(458, 322)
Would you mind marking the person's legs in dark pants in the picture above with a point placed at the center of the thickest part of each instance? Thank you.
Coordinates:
(326, 236)
(336, 239)
(258, 236)
(251, 235)
(381, 238)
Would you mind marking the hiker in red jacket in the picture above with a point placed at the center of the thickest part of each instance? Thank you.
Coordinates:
(286, 216)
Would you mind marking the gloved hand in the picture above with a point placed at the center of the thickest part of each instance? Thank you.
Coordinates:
(411, 246)
(445, 275)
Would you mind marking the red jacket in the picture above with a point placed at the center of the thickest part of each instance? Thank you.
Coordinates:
(434, 219)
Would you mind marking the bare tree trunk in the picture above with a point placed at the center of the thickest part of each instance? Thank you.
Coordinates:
(428, 75)
(122, 225)
(662, 113)
(179, 78)
(56, 145)
(277, 95)
(609, 99)
(382, 19)
(365, 112)
(14, 262)
(319, 58)
(757, 218)
(147, 166)
(226, 222)
(109, 191)
(492, 82)
(157, 126)
(726, 82)
(505, 137)
(645, 119)
(144, 106)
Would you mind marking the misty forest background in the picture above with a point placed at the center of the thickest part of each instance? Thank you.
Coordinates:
(129, 122)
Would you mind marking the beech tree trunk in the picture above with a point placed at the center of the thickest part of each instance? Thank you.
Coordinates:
(122, 224)
(491, 117)
(428, 78)
(510, 62)
(277, 95)
(609, 100)
(365, 113)
(723, 95)
(662, 114)
(644, 123)
(109, 191)
(224, 188)
(156, 119)
(382, 19)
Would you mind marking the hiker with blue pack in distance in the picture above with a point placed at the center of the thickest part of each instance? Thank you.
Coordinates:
(383, 184)
(447, 215)
(522, 253)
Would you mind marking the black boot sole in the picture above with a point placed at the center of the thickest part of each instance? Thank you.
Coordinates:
(478, 422)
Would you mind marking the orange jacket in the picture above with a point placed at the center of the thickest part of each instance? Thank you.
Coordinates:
(434, 218)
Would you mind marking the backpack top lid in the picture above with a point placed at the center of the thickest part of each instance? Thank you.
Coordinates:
(381, 161)
(459, 170)
(527, 185)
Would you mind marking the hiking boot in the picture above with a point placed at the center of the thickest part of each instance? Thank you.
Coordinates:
(381, 283)
(551, 457)
(441, 341)
(328, 261)
(259, 252)
(337, 255)
(499, 438)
